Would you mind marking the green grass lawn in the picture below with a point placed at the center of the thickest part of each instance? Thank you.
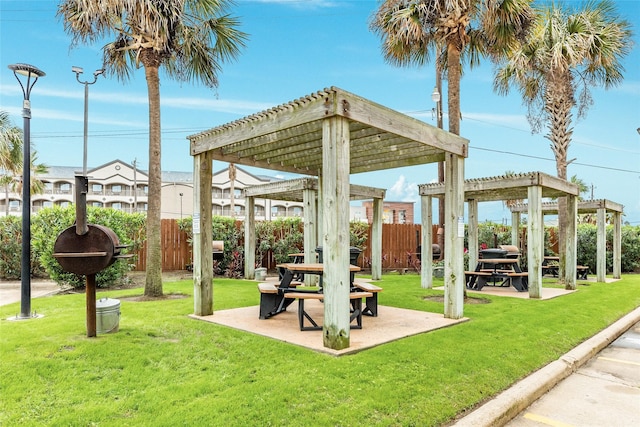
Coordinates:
(165, 369)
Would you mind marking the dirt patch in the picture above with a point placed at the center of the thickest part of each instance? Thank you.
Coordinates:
(143, 298)
(467, 300)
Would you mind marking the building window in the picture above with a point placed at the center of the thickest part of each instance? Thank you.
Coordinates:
(116, 206)
(402, 217)
(96, 204)
(277, 211)
(116, 188)
(64, 188)
(296, 211)
(96, 188)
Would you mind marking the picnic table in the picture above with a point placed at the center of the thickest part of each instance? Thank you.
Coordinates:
(497, 272)
(551, 266)
(275, 299)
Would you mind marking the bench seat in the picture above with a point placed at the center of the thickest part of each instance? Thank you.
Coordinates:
(371, 303)
(356, 302)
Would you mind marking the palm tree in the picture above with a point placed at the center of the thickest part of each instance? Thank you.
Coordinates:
(10, 145)
(11, 161)
(457, 30)
(191, 38)
(567, 53)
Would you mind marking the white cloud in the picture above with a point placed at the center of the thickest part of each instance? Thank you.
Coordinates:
(403, 191)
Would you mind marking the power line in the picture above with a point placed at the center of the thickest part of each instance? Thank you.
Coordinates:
(553, 160)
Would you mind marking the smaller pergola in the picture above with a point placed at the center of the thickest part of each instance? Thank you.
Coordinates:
(532, 186)
(599, 207)
(306, 190)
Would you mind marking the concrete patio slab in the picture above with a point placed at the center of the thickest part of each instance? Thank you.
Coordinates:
(390, 325)
(547, 293)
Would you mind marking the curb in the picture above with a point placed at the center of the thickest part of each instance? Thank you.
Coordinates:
(508, 404)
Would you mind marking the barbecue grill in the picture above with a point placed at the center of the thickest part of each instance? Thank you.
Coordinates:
(87, 249)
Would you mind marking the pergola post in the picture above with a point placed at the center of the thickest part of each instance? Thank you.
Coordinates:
(426, 251)
(474, 250)
(601, 244)
(202, 235)
(515, 229)
(336, 255)
(454, 280)
(535, 237)
(250, 238)
(310, 231)
(571, 243)
(376, 239)
(617, 245)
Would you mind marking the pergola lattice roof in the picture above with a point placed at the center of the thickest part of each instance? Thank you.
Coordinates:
(291, 190)
(508, 187)
(288, 137)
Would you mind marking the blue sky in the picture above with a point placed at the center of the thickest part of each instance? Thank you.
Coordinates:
(296, 48)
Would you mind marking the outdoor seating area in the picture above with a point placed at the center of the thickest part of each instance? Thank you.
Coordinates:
(276, 297)
(550, 268)
(390, 324)
(503, 272)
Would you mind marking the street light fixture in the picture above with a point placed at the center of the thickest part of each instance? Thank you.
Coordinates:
(78, 71)
(25, 266)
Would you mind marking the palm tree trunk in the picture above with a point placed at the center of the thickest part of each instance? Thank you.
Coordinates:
(153, 282)
(453, 88)
(558, 106)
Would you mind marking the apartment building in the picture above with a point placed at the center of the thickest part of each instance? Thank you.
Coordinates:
(123, 186)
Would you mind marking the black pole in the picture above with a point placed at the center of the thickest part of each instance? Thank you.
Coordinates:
(29, 71)
(25, 266)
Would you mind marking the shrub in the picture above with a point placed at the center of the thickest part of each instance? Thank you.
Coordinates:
(288, 238)
(10, 247)
(48, 223)
(231, 233)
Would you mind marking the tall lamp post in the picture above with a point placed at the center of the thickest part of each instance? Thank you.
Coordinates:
(78, 71)
(437, 99)
(32, 74)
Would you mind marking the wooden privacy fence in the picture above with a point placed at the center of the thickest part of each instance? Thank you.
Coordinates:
(399, 244)
(176, 250)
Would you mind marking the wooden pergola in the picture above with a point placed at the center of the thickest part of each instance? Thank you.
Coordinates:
(532, 186)
(306, 190)
(329, 134)
(599, 207)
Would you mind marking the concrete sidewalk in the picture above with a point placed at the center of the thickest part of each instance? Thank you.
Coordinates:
(510, 403)
(10, 291)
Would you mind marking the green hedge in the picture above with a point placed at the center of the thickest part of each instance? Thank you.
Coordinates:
(47, 224)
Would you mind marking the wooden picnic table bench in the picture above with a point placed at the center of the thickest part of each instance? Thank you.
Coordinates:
(356, 305)
(371, 306)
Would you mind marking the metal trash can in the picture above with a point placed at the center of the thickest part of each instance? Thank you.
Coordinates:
(261, 274)
(354, 254)
(107, 315)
